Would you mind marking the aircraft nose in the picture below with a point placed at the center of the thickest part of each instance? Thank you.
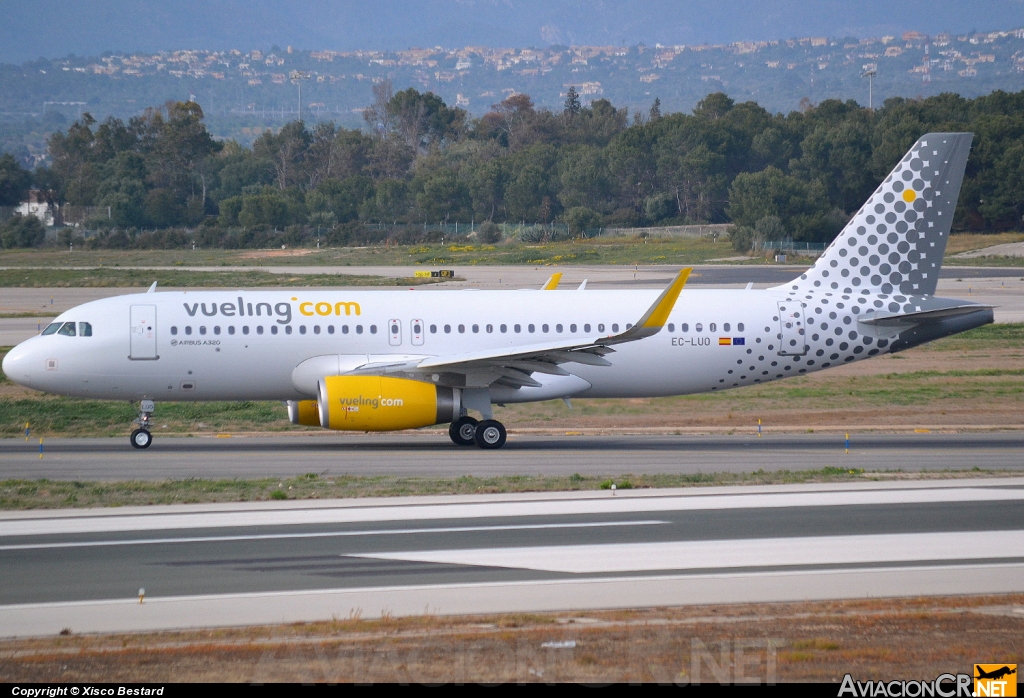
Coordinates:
(18, 364)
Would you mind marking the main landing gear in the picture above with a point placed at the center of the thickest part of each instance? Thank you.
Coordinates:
(141, 438)
(466, 431)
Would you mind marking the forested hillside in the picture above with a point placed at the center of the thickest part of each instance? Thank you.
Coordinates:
(421, 161)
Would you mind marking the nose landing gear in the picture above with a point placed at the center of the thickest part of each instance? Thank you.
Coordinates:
(141, 437)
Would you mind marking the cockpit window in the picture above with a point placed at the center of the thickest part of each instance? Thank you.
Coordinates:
(85, 329)
(67, 329)
(52, 327)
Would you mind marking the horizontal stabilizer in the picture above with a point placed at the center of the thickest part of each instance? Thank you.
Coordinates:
(922, 316)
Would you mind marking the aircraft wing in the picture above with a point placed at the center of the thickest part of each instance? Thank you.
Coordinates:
(514, 366)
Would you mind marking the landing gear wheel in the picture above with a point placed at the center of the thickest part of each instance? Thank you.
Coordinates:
(462, 431)
(490, 434)
(141, 438)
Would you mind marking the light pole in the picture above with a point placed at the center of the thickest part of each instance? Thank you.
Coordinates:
(297, 76)
(870, 74)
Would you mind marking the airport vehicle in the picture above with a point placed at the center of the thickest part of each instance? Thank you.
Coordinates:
(388, 360)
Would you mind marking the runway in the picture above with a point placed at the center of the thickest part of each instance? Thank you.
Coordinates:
(431, 454)
(255, 563)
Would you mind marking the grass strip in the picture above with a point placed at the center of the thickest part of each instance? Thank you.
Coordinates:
(112, 277)
(55, 494)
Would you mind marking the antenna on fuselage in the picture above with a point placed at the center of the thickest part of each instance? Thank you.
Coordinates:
(152, 289)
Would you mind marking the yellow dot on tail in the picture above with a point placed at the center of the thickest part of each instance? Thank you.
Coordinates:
(909, 195)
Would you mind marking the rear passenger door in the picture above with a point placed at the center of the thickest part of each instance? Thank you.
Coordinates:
(143, 333)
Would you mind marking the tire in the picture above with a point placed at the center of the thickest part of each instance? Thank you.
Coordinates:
(490, 434)
(141, 438)
(462, 431)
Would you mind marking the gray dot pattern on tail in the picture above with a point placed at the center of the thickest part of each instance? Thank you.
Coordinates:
(886, 260)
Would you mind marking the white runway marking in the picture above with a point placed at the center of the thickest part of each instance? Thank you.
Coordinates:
(610, 506)
(324, 534)
(721, 554)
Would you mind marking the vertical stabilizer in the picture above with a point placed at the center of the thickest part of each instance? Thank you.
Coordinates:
(896, 241)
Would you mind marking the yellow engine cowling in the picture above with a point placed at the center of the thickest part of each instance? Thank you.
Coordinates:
(304, 412)
(380, 403)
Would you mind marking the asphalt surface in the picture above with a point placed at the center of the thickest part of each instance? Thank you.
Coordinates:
(85, 568)
(431, 454)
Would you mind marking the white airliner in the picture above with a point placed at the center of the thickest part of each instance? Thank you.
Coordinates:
(386, 360)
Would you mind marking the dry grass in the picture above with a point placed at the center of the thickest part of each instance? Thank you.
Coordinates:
(874, 639)
(965, 242)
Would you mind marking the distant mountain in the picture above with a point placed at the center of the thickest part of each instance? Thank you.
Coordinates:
(55, 28)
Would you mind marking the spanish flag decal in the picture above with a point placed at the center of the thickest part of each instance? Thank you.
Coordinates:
(724, 341)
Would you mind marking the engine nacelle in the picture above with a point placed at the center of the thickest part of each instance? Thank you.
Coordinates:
(380, 403)
(304, 412)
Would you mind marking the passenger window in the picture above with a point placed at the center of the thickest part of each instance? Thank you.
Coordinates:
(52, 327)
(330, 329)
(245, 329)
(558, 328)
(433, 329)
(476, 328)
(231, 329)
(712, 327)
(572, 328)
(600, 327)
(447, 329)
(273, 329)
(359, 329)
(302, 329)
(739, 327)
(684, 327)
(394, 328)
(259, 329)
(544, 327)
(725, 327)
(216, 329)
(503, 328)
(489, 328)
(586, 328)
(628, 325)
(462, 328)
(615, 327)
(344, 329)
(530, 328)
(287, 329)
(316, 329)
(698, 327)
(202, 329)
(518, 328)
(188, 329)
(373, 329)
(671, 327)
(67, 329)
(174, 330)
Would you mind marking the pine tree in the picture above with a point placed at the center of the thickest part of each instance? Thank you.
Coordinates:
(572, 102)
(655, 110)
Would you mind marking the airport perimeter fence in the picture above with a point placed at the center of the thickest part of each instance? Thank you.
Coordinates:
(552, 232)
(802, 249)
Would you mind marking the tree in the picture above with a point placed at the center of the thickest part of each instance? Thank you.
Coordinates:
(14, 181)
(286, 150)
(572, 103)
(22, 231)
(802, 207)
(580, 218)
(655, 112)
(489, 233)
